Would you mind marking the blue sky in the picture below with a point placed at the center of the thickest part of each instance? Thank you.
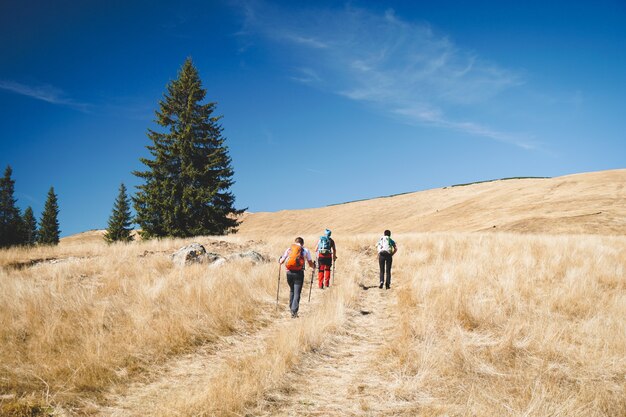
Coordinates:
(321, 103)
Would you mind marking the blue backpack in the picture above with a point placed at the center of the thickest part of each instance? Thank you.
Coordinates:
(324, 245)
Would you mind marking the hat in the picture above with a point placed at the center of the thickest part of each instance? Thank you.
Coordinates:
(327, 232)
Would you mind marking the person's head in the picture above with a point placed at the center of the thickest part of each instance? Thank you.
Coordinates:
(327, 232)
(300, 241)
(387, 233)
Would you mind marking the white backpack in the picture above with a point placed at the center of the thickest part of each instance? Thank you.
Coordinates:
(384, 245)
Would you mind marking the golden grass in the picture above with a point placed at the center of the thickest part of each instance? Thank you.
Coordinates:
(508, 325)
(70, 330)
(490, 324)
(590, 203)
(241, 375)
(243, 381)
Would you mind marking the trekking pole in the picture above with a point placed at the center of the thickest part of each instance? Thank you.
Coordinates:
(278, 287)
(311, 286)
(335, 261)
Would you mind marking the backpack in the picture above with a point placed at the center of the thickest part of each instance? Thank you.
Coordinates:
(324, 245)
(385, 244)
(295, 261)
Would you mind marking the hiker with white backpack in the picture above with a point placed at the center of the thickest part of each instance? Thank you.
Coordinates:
(326, 255)
(294, 259)
(386, 249)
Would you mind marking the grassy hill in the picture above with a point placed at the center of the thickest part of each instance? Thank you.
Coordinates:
(590, 203)
(523, 319)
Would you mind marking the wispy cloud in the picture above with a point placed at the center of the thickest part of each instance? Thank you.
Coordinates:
(404, 68)
(314, 171)
(45, 93)
(434, 117)
(130, 107)
(269, 138)
(306, 41)
(306, 76)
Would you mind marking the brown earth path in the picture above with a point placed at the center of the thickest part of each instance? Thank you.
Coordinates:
(183, 375)
(343, 378)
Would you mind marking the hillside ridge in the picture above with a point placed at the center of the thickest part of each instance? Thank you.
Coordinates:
(584, 203)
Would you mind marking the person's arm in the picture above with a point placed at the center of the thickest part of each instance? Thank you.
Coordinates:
(334, 248)
(285, 255)
(395, 248)
(307, 256)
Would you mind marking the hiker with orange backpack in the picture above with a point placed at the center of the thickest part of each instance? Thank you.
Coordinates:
(294, 258)
(326, 255)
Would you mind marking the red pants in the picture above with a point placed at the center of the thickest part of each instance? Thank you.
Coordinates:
(323, 276)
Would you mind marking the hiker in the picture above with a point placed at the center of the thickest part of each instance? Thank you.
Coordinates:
(326, 255)
(386, 249)
(294, 259)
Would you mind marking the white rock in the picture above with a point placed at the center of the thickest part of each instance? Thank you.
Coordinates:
(255, 257)
(190, 254)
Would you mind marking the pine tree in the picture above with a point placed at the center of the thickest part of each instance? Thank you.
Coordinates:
(120, 220)
(186, 183)
(49, 225)
(30, 227)
(11, 226)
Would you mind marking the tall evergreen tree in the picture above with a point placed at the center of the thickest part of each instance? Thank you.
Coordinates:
(30, 227)
(119, 223)
(187, 180)
(10, 217)
(49, 225)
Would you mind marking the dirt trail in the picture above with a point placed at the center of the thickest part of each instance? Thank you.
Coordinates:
(184, 374)
(340, 378)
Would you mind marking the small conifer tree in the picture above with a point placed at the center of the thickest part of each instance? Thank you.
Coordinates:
(49, 225)
(185, 192)
(30, 227)
(11, 227)
(119, 223)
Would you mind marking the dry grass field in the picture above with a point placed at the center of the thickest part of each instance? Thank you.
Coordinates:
(525, 319)
(499, 324)
(592, 203)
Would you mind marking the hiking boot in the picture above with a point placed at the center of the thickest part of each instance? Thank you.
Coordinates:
(294, 315)
(386, 287)
(381, 286)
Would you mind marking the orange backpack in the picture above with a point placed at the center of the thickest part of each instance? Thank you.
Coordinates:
(295, 261)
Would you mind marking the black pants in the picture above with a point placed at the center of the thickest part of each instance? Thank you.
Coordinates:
(325, 260)
(295, 279)
(384, 262)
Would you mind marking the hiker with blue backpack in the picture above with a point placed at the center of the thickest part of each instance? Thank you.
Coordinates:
(326, 255)
(386, 249)
(294, 259)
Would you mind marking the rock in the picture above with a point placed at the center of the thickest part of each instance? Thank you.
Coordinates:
(214, 258)
(193, 254)
(255, 257)
(196, 253)
(219, 261)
